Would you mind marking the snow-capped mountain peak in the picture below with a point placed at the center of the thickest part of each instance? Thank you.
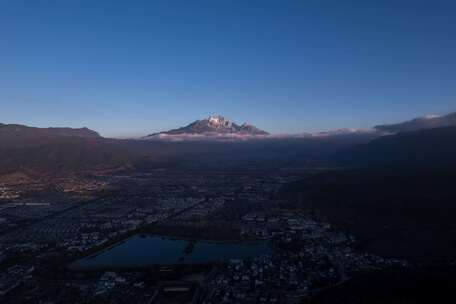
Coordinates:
(215, 125)
(219, 121)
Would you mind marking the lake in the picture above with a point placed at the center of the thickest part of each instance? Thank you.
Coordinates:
(148, 250)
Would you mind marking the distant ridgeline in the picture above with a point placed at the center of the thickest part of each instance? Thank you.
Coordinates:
(65, 150)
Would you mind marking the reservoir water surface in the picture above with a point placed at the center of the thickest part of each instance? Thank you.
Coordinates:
(146, 250)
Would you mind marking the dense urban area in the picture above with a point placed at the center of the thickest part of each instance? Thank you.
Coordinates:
(47, 228)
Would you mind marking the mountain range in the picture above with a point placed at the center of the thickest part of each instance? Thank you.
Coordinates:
(65, 150)
(218, 126)
(14, 130)
(45, 151)
(420, 123)
(212, 126)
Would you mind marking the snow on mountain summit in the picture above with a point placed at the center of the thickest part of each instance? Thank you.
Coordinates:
(215, 125)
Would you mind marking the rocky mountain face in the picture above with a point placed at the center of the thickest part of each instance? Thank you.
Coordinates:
(214, 125)
(426, 122)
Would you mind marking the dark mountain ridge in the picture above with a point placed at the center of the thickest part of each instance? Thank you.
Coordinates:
(425, 148)
(12, 130)
(421, 123)
(396, 194)
(64, 151)
(72, 150)
(49, 151)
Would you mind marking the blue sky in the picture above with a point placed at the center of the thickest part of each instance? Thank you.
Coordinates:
(133, 67)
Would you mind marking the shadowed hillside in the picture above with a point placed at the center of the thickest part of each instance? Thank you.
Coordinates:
(66, 151)
(425, 148)
(393, 213)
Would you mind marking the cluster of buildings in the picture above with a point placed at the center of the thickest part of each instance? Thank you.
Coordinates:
(13, 276)
(306, 254)
(7, 193)
(201, 211)
(20, 186)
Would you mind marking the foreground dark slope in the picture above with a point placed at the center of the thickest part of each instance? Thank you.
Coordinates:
(398, 198)
(405, 286)
(425, 148)
(392, 213)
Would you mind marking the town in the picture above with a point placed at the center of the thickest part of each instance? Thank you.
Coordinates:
(43, 236)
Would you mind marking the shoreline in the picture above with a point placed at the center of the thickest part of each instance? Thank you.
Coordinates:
(74, 266)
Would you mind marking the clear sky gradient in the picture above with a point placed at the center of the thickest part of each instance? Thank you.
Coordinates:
(133, 67)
